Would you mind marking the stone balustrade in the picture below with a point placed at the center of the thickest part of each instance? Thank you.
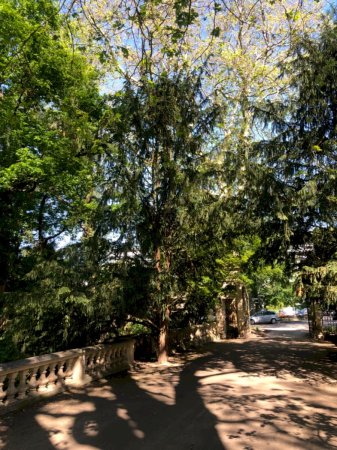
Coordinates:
(28, 379)
(194, 335)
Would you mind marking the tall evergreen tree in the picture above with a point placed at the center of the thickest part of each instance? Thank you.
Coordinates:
(299, 182)
(157, 136)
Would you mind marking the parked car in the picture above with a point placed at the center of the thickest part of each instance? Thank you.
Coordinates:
(264, 317)
(301, 313)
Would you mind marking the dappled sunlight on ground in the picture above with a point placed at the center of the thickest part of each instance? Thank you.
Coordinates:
(58, 420)
(157, 381)
(258, 394)
(123, 414)
(267, 410)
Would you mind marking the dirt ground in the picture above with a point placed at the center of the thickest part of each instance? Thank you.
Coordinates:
(276, 390)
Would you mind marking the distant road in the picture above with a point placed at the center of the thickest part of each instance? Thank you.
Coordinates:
(296, 330)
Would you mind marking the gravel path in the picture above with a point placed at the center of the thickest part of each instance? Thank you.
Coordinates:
(276, 390)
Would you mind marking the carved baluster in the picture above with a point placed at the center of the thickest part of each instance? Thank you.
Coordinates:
(70, 366)
(117, 356)
(109, 359)
(65, 368)
(113, 358)
(11, 390)
(47, 374)
(105, 361)
(60, 373)
(33, 380)
(3, 387)
(68, 372)
(123, 356)
(101, 360)
(91, 364)
(57, 374)
(120, 357)
(52, 378)
(43, 379)
(87, 362)
(127, 351)
(101, 363)
(130, 353)
(94, 363)
(22, 388)
(126, 355)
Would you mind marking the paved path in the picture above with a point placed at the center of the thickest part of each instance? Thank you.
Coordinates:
(290, 330)
(276, 391)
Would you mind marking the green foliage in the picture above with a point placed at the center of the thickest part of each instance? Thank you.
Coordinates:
(272, 286)
(224, 266)
(157, 154)
(319, 283)
(49, 106)
(302, 167)
(64, 301)
(297, 183)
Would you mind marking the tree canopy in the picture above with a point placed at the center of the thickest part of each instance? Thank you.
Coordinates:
(150, 152)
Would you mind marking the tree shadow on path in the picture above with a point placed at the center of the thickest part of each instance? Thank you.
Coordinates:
(239, 394)
(165, 413)
(302, 359)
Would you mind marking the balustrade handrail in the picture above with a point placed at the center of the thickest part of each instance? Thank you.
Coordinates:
(35, 361)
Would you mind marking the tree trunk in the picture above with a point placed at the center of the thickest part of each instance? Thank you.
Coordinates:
(315, 319)
(163, 344)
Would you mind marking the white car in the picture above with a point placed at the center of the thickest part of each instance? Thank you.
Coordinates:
(264, 317)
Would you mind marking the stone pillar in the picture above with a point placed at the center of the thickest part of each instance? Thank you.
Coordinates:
(242, 310)
(220, 318)
(231, 318)
(131, 352)
(78, 372)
